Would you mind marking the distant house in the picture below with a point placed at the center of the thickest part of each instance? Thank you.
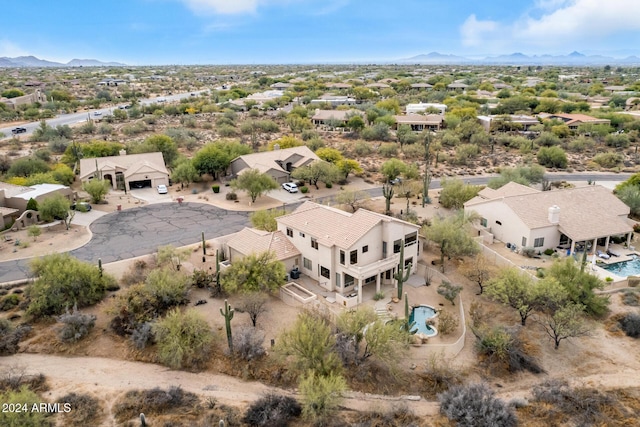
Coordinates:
(14, 103)
(334, 100)
(346, 252)
(323, 117)
(112, 82)
(14, 198)
(457, 86)
(423, 106)
(127, 170)
(281, 86)
(421, 86)
(252, 241)
(526, 217)
(508, 122)
(377, 85)
(338, 86)
(419, 122)
(574, 120)
(277, 163)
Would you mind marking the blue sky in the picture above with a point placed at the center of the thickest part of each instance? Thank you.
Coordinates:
(141, 32)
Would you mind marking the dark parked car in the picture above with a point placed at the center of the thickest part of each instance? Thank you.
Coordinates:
(81, 206)
(16, 131)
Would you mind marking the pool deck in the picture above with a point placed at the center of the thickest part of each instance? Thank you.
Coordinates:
(625, 254)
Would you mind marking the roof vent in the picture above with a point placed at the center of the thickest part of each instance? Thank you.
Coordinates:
(554, 214)
(276, 147)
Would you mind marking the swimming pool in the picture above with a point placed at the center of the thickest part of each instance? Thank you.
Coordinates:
(420, 315)
(624, 268)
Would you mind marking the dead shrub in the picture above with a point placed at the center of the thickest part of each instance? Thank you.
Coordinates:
(272, 410)
(440, 375)
(15, 377)
(85, 410)
(398, 415)
(447, 322)
(155, 401)
(10, 336)
(247, 343)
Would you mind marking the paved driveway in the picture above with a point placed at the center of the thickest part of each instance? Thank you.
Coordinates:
(150, 195)
(139, 231)
(87, 218)
(285, 197)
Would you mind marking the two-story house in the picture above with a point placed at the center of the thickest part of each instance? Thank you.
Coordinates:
(345, 251)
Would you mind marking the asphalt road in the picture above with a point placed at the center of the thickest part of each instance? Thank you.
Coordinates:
(73, 118)
(139, 231)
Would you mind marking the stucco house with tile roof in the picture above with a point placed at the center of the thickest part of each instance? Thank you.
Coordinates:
(345, 251)
(574, 120)
(277, 163)
(418, 122)
(526, 217)
(127, 170)
(14, 198)
(251, 240)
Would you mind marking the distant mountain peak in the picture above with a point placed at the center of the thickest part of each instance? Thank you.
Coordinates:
(576, 54)
(32, 61)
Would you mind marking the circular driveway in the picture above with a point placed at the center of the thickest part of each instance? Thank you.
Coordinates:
(139, 231)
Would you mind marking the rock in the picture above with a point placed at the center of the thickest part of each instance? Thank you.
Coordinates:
(395, 300)
(413, 366)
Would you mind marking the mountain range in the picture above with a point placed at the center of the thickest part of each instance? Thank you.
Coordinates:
(574, 58)
(32, 61)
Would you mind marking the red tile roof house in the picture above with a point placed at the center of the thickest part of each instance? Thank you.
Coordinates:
(419, 122)
(574, 120)
(323, 117)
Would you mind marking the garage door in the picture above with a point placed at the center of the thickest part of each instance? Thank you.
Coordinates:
(139, 184)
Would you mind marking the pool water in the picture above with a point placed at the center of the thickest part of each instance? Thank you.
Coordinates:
(624, 268)
(420, 314)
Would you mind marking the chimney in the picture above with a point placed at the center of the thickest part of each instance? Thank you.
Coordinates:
(276, 147)
(122, 152)
(554, 214)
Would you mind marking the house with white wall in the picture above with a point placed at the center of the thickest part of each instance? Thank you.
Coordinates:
(346, 252)
(252, 241)
(526, 217)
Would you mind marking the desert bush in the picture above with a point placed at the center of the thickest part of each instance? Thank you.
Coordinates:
(14, 378)
(29, 418)
(388, 150)
(304, 189)
(475, 405)
(630, 298)
(581, 144)
(85, 409)
(63, 281)
(449, 291)
(137, 273)
(142, 335)
(8, 302)
(272, 410)
(321, 394)
(184, 339)
(201, 279)
(231, 196)
(477, 314)
(608, 160)
(553, 157)
(630, 324)
(75, 325)
(362, 148)
(504, 348)
(133, 129)
(466, 152)
(247, 343)
(377, 132)
(447, 322)
(440, 375)
(154, 401)
(399, 415)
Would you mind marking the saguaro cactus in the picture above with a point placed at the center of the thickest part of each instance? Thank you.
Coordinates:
(218, 285)
(402, 275)
(408, 326)
(387, 192)
(100, 266)
(228, 315)
(204, 245)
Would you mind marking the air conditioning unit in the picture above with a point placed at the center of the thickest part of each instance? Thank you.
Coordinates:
(287, 278)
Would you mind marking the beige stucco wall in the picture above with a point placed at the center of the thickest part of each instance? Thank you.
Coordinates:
(511, 230)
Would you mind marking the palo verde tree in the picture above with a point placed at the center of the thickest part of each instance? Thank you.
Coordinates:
(255, 272)
(97, 189)
(452, 236)
(57, 206)
(254, 182)
(515, 289)
(266, 219)
(317, 171)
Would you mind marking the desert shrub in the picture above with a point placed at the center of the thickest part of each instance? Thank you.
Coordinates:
(579, 406)
(201, 279)
(75, 325)
(362, 148)
(314, 143)
(549, 252)
(553, 157)
(608, 160)
(475, 405)
(62, 282)
(15, 377)
(399, 415)
(184, 339)
(133, 129)
(477, 314)
(321, 394)
(231, 196)
(447, 323)
(440, 375)
(466, 152)
(142, 335)
(617, 140)
(29, 418)
(272, 410)
(377, 132)
(154, 401)
(85, 409)
(449, 291)
(8, 302)
(630, 298)
(247, 343)
(630, 324)
(137, 273)
(388, 150)
(503, 348)
(581, 144)
(304, 189)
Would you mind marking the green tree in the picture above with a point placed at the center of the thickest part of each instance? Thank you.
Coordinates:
(567, 322)
(158, 143)
(580, 286)
(184, 339)
(254, 272)
(266, 219)
(214, 158)
(32, 205)
(63, 281)
(355, 123)
(449, 291)
(452, 236)
(455, 193)
(393, 168)
(97, 189)
(321, 395)
(553, 157)
(285, 142)
(347, 166)
(255, 183)
(12, 93)
(524, 175)
(27, 166)
(630, 196)
(515, 289)
(56, 206)
(352, 198)
(184, 173)
(317, 171)
(311, 343)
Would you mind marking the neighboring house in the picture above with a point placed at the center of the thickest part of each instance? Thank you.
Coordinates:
(526, 217)
(277, 163)
(251, 240)
(346, 251)
(574, 120)
(377, 86)
(419, 122)
(423, 106)
(338, 86)
(109, 81)
(14, 103)
(323, 117)
(457, 86)
(421, 86)
(281, 86)
(14, 198)
(508, 122)
(126, 170)
(334, 100)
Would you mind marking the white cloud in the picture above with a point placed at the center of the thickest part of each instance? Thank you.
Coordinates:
(474, 32)
(10, 49)
(223, 7)
(556, 24)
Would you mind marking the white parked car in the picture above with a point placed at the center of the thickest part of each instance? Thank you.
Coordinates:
(162, 189)
(290, 187)
(97, 113)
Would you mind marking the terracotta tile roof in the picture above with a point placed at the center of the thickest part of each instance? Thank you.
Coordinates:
(251, 240)
(132, 162)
